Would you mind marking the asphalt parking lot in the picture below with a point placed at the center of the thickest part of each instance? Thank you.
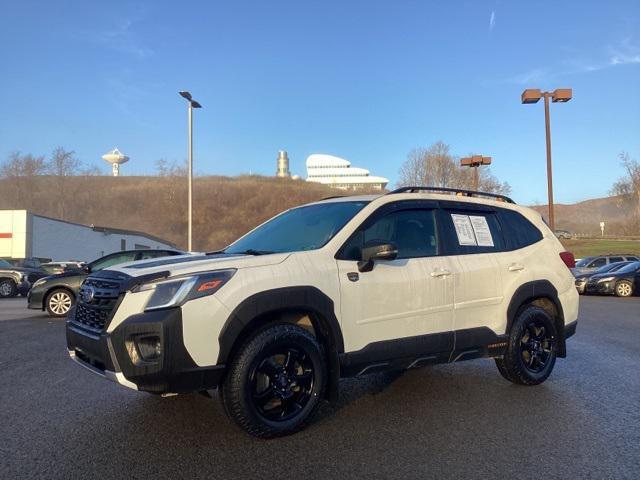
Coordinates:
(449, 421)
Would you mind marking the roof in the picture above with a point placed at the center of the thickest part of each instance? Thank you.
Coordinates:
(110, 230)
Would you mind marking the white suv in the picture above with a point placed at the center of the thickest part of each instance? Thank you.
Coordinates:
(341, 287)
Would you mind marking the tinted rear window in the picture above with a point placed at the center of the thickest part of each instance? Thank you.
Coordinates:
(518, 231)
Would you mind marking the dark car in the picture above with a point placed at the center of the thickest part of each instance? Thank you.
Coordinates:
(583, 278)
(623, 283)
(17, 280)
(57, 293)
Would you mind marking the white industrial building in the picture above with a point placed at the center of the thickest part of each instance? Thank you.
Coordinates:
(338, 172)
(25, 235)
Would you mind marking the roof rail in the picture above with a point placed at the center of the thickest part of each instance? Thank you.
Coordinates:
(457, 191)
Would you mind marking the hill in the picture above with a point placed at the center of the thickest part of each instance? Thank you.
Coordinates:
(224, 208)
(585, 217)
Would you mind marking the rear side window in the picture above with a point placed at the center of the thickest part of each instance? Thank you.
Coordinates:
(616, 259)
(633, 259)
(470, 231)
(518, 231)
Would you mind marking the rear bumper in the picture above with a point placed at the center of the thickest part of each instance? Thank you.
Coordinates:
(570, 329)
(118, 356)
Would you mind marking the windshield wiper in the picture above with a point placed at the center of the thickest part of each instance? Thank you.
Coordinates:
(251, 251)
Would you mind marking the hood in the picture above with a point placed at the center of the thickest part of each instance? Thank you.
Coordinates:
(603, 275)
(186, 264)
(21, 269)
(57, 276)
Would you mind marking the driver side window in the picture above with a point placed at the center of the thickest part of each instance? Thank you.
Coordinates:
(599, 262)
(413, 232)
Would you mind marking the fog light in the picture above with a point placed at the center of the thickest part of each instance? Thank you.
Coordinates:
(149, 347)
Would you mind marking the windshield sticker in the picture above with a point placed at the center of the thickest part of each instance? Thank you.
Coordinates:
(481, 229)
(464, 230)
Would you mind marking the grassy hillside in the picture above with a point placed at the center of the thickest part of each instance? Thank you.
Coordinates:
(587, 247)
(224, 208)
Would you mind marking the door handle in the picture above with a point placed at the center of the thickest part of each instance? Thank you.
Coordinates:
(515, 267)
(441, 272)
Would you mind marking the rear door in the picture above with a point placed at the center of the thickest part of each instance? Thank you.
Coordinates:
(474, 236)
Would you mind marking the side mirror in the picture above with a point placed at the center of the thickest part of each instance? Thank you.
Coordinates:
(383, 251)
(86, 269)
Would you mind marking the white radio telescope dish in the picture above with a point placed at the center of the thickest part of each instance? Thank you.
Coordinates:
(115, 157)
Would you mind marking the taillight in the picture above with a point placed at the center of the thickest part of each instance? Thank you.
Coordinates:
(568, 259)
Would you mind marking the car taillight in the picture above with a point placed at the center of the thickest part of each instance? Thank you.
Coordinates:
(568, 259)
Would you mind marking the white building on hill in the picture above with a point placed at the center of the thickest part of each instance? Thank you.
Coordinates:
(338, 172)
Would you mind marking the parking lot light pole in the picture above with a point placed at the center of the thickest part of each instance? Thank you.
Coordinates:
(191, 105)
(559, 95)
(474, 162)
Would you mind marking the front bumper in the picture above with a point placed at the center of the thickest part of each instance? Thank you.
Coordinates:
(602, 288)
(117, 355)
(35, 298)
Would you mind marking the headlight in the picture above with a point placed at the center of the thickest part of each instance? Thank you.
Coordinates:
(606, 279)
(174, 292)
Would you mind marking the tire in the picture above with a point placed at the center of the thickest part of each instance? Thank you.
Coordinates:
(275, 382)
(624, 288)
(531, 349)
(8, 288)
(58, 302)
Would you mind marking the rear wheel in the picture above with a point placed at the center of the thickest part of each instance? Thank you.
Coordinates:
(8, 288)
(59, 303)
(531, 349)
(275, 381)
(624, 288)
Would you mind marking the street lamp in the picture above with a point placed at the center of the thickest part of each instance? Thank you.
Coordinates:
(192, 104)
(474, 162)
(559, 95)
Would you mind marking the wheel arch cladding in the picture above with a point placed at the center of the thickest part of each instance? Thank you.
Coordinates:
(543, 294)
(267, 306)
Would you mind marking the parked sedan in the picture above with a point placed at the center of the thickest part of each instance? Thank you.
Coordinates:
(623, 283)
(583, 278)
(57, 293)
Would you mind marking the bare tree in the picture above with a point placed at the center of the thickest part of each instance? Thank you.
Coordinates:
(63, 164)
(435, 166)
(19, 170)
(628, 187)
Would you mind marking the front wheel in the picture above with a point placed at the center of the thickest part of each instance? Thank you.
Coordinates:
(275, 381)
(531, 349)
(59, 303)
(624, 288)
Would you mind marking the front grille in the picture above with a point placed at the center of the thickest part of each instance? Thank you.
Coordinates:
(96, 300)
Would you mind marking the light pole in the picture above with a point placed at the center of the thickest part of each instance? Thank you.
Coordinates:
(474, 162)
(192, 104)
(562, 95)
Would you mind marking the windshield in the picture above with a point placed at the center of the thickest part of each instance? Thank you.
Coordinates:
(5, 264)
(632, 267)
(584, 262)
(298, 229)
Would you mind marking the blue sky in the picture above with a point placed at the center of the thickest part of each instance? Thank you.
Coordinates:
(365, 80)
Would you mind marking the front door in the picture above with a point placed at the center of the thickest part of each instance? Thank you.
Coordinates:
(410, 296)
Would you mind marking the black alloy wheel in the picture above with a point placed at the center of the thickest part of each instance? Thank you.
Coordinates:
(282, 383)
(536, 346)
(531, 347)
(275, 381)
